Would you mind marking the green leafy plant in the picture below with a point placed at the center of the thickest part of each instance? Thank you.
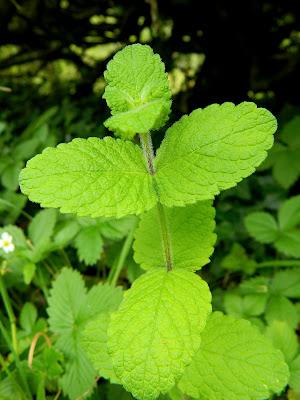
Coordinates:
(283, 234)
(163, 332)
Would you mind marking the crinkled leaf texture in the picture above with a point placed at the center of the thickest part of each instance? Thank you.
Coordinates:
(156, 331)
(191, 236)
(211, 150)
(90, 177)
(234, 362)
(138, 92)
(70, 307)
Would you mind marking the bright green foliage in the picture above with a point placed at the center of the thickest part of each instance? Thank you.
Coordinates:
(234, 362)
(154, 337)
(90, 177)
(137, 91)
(211, 150)
(156, 331)
(284, 234)
(70, 307)
(89, 245)
(191, 236)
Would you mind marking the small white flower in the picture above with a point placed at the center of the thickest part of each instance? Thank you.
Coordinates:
(6, 242)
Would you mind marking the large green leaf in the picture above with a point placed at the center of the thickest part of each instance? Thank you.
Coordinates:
(137, 92)
(211, 150)
(156, 331)
(190, 232)
(234, 362)
(90, 177)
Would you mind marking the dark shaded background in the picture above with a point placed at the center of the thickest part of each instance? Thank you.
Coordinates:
(251, 48)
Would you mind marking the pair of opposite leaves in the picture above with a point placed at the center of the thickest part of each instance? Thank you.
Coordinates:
(207, 151)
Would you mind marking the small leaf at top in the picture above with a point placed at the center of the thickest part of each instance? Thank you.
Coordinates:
(137, 91)
(90, 177)
(212, 149)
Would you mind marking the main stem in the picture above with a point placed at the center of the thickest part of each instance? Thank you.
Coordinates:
(147, 147)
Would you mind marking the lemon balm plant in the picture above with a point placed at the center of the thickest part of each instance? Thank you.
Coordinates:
(164, 332)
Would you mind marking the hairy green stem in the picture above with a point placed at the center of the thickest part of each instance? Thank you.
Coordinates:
(116, 269)
(279, 263)
(147, 147)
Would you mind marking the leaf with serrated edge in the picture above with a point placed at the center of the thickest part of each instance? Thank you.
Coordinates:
(70, 307)
(88, 244)
(90, 177)
(234, 362)
(191, 236)
(138, 92)
(156, 331)
(211, 150)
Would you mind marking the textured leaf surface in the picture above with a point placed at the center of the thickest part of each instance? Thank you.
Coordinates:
(211, 150)
(90, 177)
(156, 331)
(89, 245)
(191, 236)
(138, 92)
(234, 362)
